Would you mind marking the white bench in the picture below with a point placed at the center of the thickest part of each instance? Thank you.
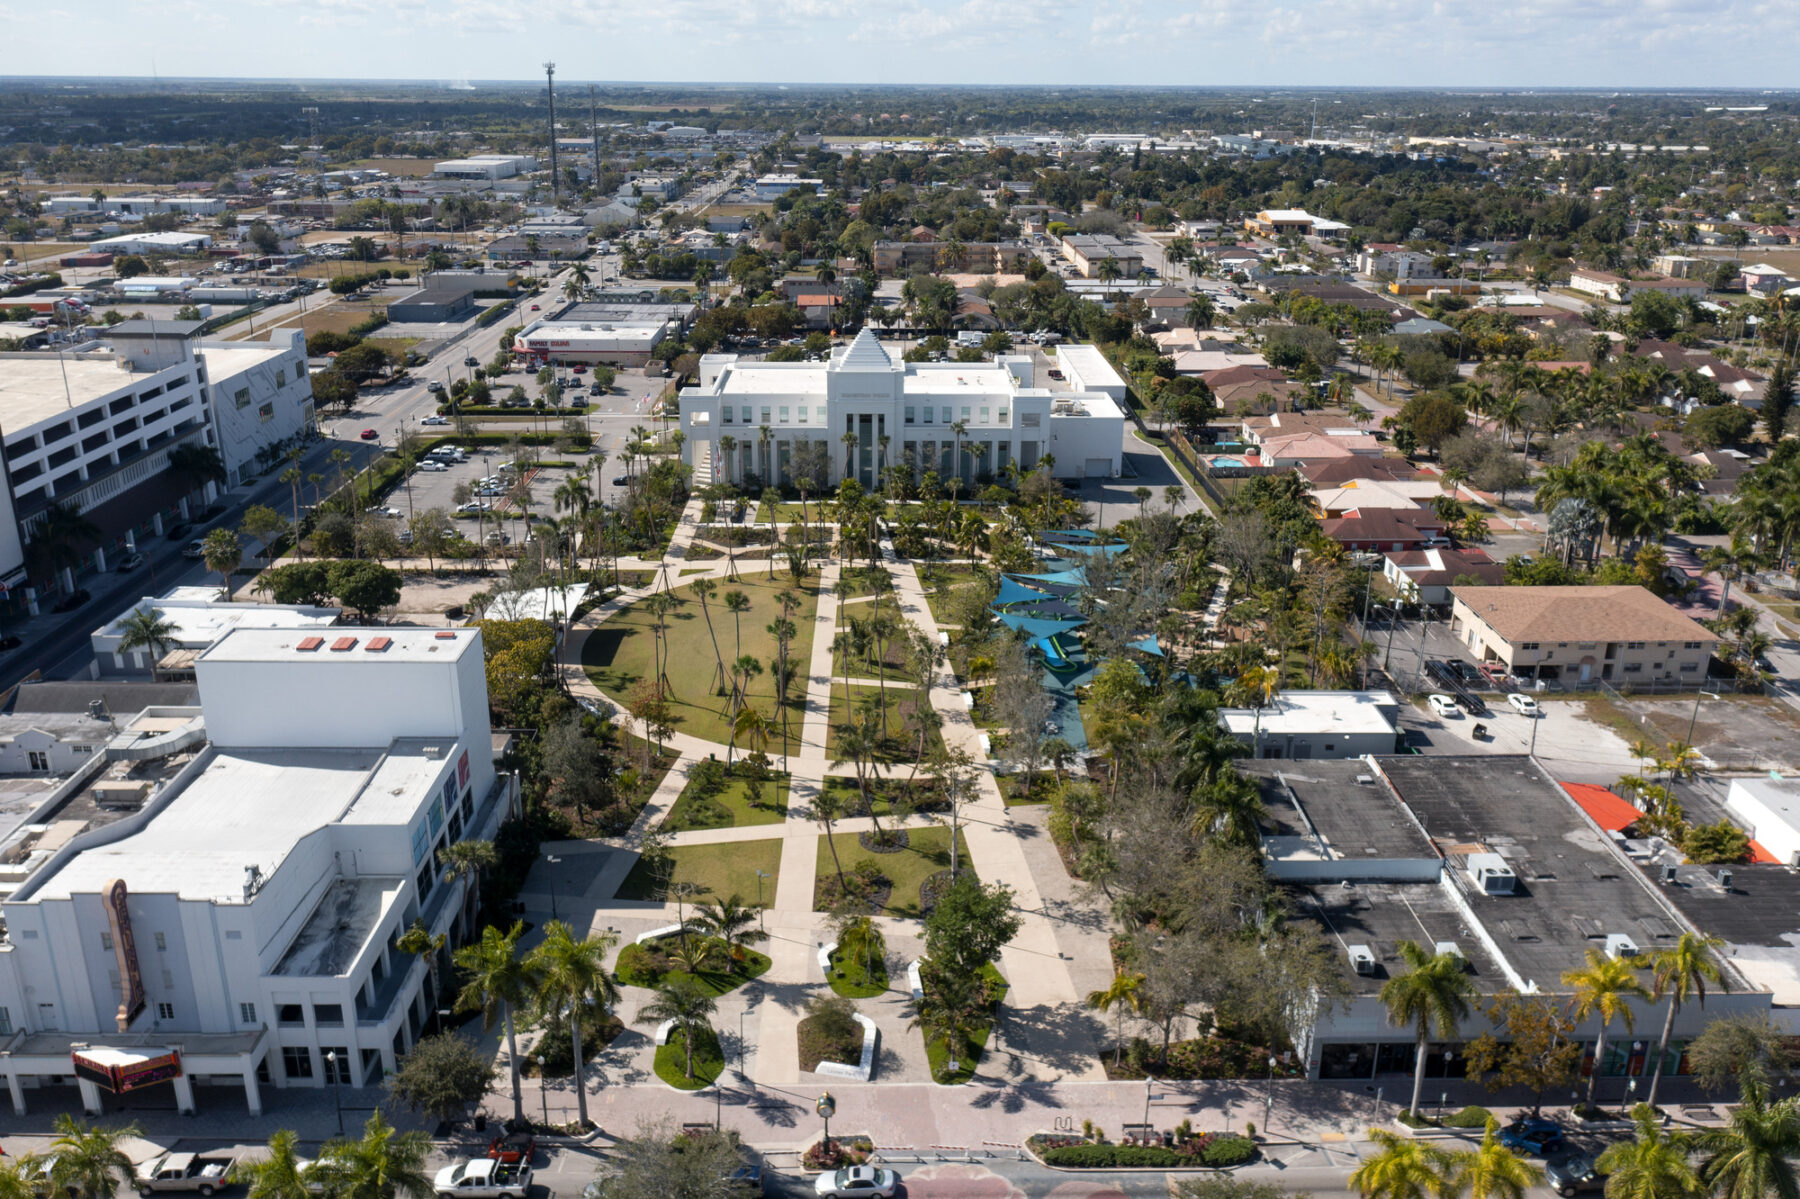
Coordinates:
(657, 934)
(663, 1030)
(825, 952)
(913, 982)
(865, 1065)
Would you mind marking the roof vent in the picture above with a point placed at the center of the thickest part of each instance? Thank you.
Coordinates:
(1365, 780)
(1618, 945)
(1668, 873)
(1362, 959)
(377, 644)
(343, 645)
(309, 644)
(1725, 879)
(1491, 875)
(446, 635)
(1448, 947)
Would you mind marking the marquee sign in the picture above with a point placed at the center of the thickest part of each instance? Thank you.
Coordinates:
(131, 977)
(120, 1071)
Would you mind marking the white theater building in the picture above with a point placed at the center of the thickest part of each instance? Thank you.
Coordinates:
(216, 901)
(906, 414)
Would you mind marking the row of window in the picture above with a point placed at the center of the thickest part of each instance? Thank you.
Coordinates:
(1532, 645)
(63, 430)
(915, 415)
(296, 1062)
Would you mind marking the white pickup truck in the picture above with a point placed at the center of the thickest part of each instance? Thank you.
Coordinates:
(184, 1172)
(482, 1178)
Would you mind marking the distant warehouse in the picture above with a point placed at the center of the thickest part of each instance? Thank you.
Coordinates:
(179, 244)
(487, 166)
(439, 302)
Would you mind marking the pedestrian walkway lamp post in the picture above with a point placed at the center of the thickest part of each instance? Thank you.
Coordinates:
(826, 1106)
(554, 863)
(1695, 717)
(543, 1090)
(1269, 1099)
(337, 1094)
(760, 876)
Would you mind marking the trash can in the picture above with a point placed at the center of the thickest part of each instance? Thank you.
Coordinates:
(480, 1123)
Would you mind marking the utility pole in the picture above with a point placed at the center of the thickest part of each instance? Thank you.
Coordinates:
(594, 135)
(311, 113)
(550, 89)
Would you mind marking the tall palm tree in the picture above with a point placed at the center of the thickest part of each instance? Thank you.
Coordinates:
(223, 551)
(1230, 808)
(1604, 987)
(682, 1001)
(1121, 995)
(281, 1175)
(733, 922)
(703, 590)
(147, 628)
(381, 1164)
(1491, 1171)
(737, 603)
(571, 973)
(19, 1178)
(86, 1159)
(1433, 994)
(1752, 1157)
(466, 860)
(1681, 970)
(1653, 1165)
(1403, 1169)
(418, 941)
(496, 981)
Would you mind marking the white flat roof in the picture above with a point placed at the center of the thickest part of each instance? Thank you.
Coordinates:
(283, 645)
(201, 620)
(34, 387)
(1780, 797)
(773, 379)
(223, 362)
(1307, 712)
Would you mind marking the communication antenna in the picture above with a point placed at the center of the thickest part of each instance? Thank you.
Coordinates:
(550, 86)
(594, 134)
(311, 113)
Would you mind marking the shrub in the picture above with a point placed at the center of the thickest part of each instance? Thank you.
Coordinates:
(1473, 1116)
(1228, 1151)
(638, 967)
(1103, 1156)
(1716, 844)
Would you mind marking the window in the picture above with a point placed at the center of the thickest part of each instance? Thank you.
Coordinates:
(241, 397)
(289, 1013)
(1005, 416)
(233, 934)
(6, 1027)
(1634, 668)
(1029, 420)
(1690, 645)
(784, 414)
(39, 759)
(330, 1014)
(965, 414)
(927, 419)
(984, 416)
(165, 1011)
(725, 412)
(945, 418)
(802, 415)
(337, 1063)
(81, 750)
(1584, 645)
(427, 880)
(911, 414)
(281, 378)
(765, 416)
(247, 1013)
(1634, 645)
(162, 943)
(296, 1061)
(1528, 645)
(1689, 667)
(745, 410)
(265, 412)
(106, 942)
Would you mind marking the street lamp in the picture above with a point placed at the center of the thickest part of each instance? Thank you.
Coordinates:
(760, 876)
(554, 863)
(1269, 1099)
(543, 1090)
(443, 1015)
(1692, 719)
(826, 1106)
(337, 1095)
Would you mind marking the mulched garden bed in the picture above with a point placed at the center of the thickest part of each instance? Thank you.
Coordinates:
(870, 890)
(931, 890)
(894, 840)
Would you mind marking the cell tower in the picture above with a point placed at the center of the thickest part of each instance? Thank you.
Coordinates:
(311, 113)
(594, 134)
(550, 85)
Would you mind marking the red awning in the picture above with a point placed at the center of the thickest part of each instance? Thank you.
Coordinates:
(1608, 810)
(1762, 856)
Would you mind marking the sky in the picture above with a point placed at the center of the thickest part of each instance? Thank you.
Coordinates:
(1379, 43)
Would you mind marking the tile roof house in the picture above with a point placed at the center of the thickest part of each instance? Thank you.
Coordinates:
(1260, 395)
(1255, 429)
(1205, 362)
(1621, 634)
(1384, 530)
(1426, 575)
(1337, 471)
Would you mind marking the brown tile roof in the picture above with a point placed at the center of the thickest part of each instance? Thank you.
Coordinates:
(1347, 470)
(1384, 524)
(1624, 613)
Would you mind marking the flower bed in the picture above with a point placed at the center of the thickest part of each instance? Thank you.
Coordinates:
(1213, 1149)
(836, 1154)
(1201, 1057)
(651, 964)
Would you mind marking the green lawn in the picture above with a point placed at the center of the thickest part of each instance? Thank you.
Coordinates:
(851, 977)
(927, 852)
(718, 870)
(920, 794)
(671, 1061)
(937, 1053)
(730, 808)
(892, 664)
(855, 580)
(647, 966)
(902, 743)
(621, 650)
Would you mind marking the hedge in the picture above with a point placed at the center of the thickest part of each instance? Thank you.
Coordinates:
(1219, 1151)
(364, 328)
(31, 285)
(496, 312)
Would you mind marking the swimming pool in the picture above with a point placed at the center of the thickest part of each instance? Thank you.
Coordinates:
(1222, 462)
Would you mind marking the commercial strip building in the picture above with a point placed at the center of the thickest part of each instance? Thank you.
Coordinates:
(769, 187)
(1619, 635)
(1317, 724)
(902, 414)
(440, 301)
(1383, 850)
(564, 342)
(198, 617)
(73, 205)
(217, 899)
(1086, 251)
(981, 257)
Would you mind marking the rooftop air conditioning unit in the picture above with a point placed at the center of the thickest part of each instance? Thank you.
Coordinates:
(1491, 875)
(1449, 947)
(1668, 874)
(1725, 879)
(1362, 959)
(1618, 945)
(1365, 780)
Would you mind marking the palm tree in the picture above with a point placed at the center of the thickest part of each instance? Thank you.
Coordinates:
(828, 807)
(737, 603)
(382, 1164)
(496, 981)
(1605, 986)
(1229, 808)
(19, 1178)
(223, 552)
(1403, 1169)
(731, 921)
(1491, 1171)
(1682, 969)
(1119, 996)
(571, 973)
(281, 1174)
(859, 937)
(418, 941)
(86, 1159)
(682, 1001)
(703, 589)
(753, 727)
(1752, 1157)
(60, 538)
(466, 860)
(958, 428)
(1432, 994)
(1651, 1166)
(147, 628)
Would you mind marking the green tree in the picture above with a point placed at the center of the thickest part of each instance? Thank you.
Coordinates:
(682, 1001)
(1604, 987)
(442, 1078)
(570, 974)
(1402, 1169)
(1752, 1157)
(1119, 997)
(1537, 1048)
(495, 982)
(1433, 994)
(381, 1164)
(1677, 973)
(1652, 1165)
(366, 587)
(658, 1160)
(86, 1159)
(733, 922)
(148, 629)
(970, 925)
(1733, 1046)
(223, 551)
(1491, 1171)
(281, 1175)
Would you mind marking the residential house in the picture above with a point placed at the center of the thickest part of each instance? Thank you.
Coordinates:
(1426, 576)
(1309, 447)
(1385, 531)
(1617, 634)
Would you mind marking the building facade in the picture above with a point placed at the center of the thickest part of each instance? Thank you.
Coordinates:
(221, 898)
(967, 419)
(1620, 635)
(262, 400)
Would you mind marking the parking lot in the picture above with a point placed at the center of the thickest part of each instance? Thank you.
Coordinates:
(428, 488)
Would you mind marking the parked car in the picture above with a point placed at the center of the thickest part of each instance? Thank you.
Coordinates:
(432, 464)
(621, 481)
(1573, 1173)
(854, 1181)
(183, 1172)
(178, 530)
(435, 420)
(513, 1149)
(435, 388)
(1524, 705)
(482, 1178)
(195, 549)
(1471, 703)
(474, 506)
(1534, 1135)
(130, 562)
(1444, 706)
(370, 434)
(471, 360)
(497, 538)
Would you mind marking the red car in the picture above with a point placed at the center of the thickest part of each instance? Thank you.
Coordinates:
(513, 1149)
(534, 307)
(581, 370)
(370, 435)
